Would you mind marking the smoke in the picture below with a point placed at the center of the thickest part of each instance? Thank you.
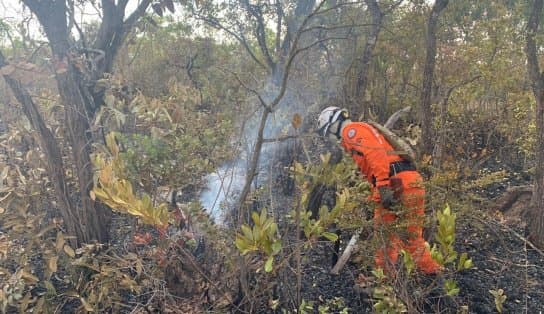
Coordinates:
(225, 185)
(308, 90)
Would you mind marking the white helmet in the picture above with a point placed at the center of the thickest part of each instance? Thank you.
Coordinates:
(329, 116)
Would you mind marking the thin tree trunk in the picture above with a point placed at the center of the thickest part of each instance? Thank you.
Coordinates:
(94, 219)
(438, 151)
(362, 73)
(536, 215)
(428, 74)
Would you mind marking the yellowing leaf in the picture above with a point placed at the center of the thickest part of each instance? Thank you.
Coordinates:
(139, 267)
(59, 243)
(296, 121)
(52, 264)
(29, 278)
(69, 251)
(86, 305)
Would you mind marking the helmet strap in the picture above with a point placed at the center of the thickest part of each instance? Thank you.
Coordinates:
(341, 119)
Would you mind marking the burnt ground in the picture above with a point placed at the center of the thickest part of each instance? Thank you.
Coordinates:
(494, 241)
(501, 258)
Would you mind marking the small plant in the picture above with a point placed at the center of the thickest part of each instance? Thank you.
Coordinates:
(346, 211)
(118, 193)
(386, 301)
(262, 237)
(306, 307)
(451, 287)
(334, 305)
(500, 297)
(408, 262)
(385, 298)
(444, 253)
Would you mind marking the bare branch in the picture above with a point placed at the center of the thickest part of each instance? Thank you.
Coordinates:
(239, 37)
(392, 7)
(260, 31)
(335, 27)
(134, 16)
(280, 139)
(253, 91)
(347, 252)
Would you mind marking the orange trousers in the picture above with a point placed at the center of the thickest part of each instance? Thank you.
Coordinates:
(404, 231)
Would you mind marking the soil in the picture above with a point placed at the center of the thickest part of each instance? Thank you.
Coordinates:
(501, 257)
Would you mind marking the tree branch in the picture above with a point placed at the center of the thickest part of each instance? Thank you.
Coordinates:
(134, 16)
(240, 38)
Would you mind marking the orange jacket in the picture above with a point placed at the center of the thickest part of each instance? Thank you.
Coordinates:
(370, 150)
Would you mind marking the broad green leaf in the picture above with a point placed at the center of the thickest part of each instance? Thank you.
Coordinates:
(268, 264)
(276, 247)
(247, 232)
(467, 264)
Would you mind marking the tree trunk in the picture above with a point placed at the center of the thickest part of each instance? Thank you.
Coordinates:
(362, 73)
(46, 139)
(428, 73)
(91, 221)
(86, 220)
(536, 215)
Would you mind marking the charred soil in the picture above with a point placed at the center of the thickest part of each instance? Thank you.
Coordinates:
(502, 259)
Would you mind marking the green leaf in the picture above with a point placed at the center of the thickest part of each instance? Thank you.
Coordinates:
(247, 232)
(263, 215)
(451, 287)
(276, 247)
(255, 217)
(268, 264)
(330, 236)
(462, 259)
(241, 245)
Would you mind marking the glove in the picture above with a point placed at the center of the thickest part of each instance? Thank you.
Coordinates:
(390, 195)
(387, 196)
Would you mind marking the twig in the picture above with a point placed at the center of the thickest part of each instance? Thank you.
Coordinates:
(280, 139)
(517, 235)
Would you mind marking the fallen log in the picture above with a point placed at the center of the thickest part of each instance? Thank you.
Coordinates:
(347, 252)
(394, 117)
(511, 195)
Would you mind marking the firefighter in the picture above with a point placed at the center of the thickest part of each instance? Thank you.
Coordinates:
(397, 189)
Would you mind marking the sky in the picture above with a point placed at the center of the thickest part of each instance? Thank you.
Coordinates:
(14, 13)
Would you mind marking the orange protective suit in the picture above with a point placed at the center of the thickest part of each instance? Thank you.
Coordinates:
(374, 156)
